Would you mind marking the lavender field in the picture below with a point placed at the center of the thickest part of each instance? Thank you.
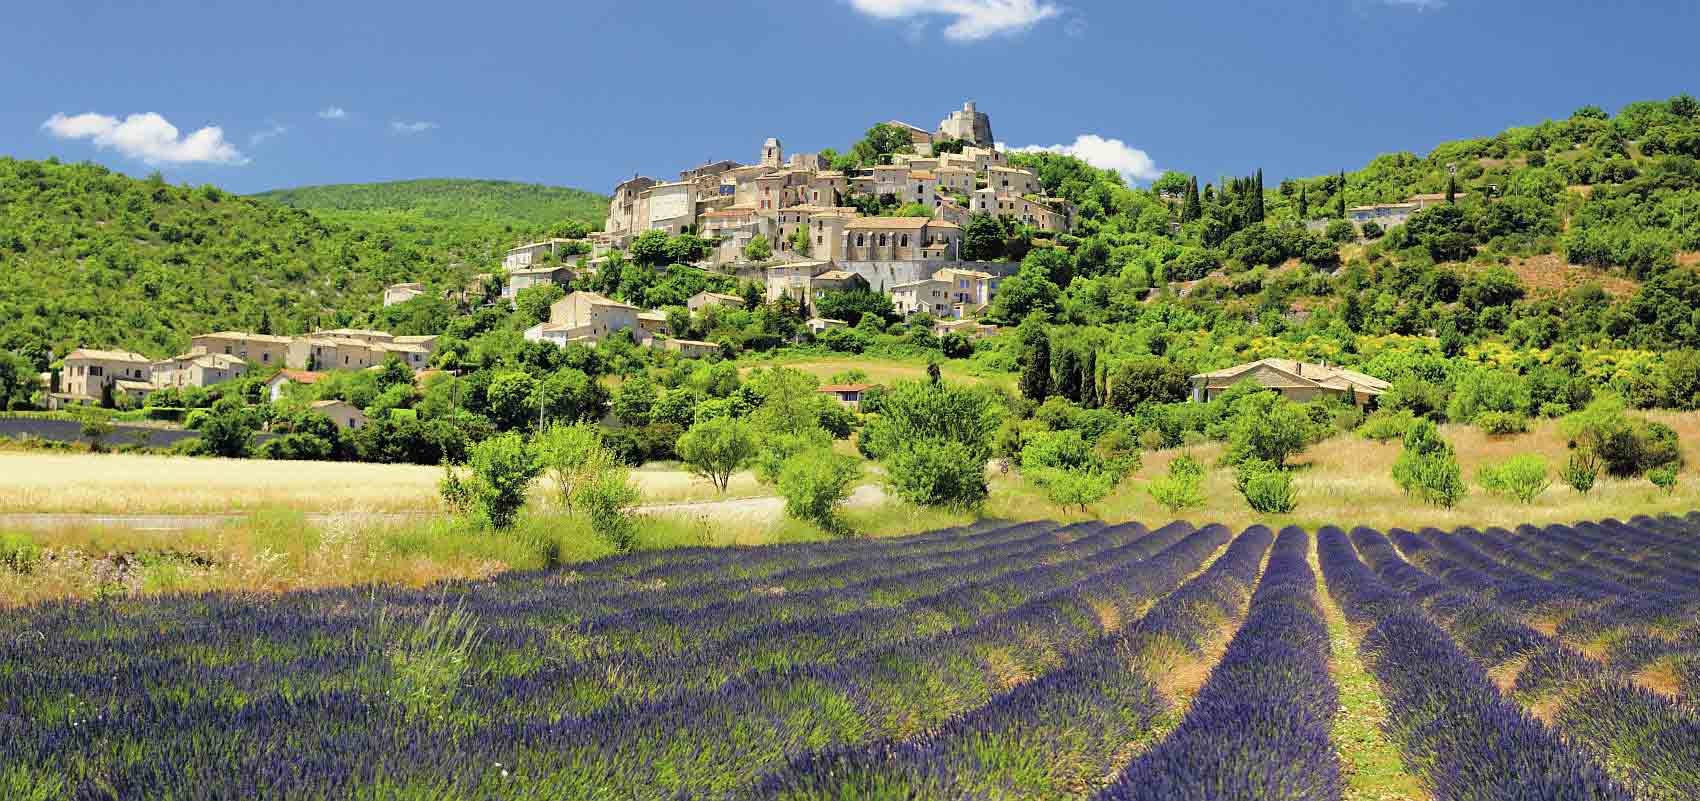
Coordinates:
(997, 661)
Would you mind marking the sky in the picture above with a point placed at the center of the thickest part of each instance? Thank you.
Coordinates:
(260, 95)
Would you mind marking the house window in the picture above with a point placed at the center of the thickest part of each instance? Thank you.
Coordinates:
(97, 371)
(860, 240)
(882, 240)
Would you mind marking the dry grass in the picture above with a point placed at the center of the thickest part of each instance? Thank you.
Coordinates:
(1347, 481)
(58, 482)
(880, 371)
(1549, 274)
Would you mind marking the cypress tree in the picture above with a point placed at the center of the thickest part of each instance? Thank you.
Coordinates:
(1304, 203)
(1340, 205)
(1068, 374)
(1035, 380)
(1257, 198)
(1192, 209)
(1089, 379)
(1451, 189)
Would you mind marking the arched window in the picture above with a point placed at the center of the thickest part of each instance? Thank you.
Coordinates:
(905, 240)
(860, 240)
(882, 240)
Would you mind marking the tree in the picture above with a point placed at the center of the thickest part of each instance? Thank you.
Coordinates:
(758, 249)
(649, 249)
(1304, 203)
(228, 429)
(982, 238)
(571, 453)
(635, 400)
(17, 381)
(533, 302)
(1452, 188)
(502, 468)
(800, 242)
(1035, 360)
(715, 449)
(1340, 197)
(511, 400)
(609, 499)
(1267, 427)
(1150, 380)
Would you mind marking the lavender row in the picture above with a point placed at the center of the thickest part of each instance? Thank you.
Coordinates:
(698, 744)
(1050, 737)
(1259, 728)
(1451, 723)
(507, 665)
(305, 637)
(1654, 746)
(782, 632)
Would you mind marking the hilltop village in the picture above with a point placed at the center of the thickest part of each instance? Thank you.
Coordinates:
(797, 226)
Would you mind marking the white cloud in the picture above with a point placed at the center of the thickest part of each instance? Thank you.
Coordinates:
(1105, 154)
(332, 113)
(148, 137)
(270, 133)
(970, 20)
(411, 127)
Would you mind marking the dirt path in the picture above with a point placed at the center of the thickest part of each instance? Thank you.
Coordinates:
(758, 508)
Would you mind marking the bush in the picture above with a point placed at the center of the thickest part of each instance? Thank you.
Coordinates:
(571, 453)
(1581, 471)
(1501, 424)
(1266, 488)
(502, 469)
(456, 491)
(1664, 478)
(1073, 488)
(933, 472)
(1523, 477)
(1427, 467)
(1341, 231)
(815, 482)
(1182, 487)
(1386, 424)
(1373, 230)
(608, 499)
(1627, 445)
(18, 553)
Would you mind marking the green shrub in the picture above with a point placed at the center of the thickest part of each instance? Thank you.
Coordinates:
(455, 490)
(1266, 488)
(937, 473)
(18, 553)
(1427, 467)
(1581, 471)
(1523, 477)
(1269, 427)
(1073, 488)
(815, 483)
(502, 469)
(1501, 424)
(1182, 487)
(571, 453)
(1627, 445)
(608, 499)
(1386, 424)
(1664, 478)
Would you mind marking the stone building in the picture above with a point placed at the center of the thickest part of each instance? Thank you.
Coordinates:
(969, 124)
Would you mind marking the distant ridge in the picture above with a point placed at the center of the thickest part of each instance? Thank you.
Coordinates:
(453, 199)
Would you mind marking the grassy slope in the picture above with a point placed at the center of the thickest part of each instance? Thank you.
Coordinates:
(453, 199)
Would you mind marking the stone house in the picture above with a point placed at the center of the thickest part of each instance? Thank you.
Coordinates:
(528, 277)
(969, 289)
(652, 322)
(1300, 382)
(691, 348)
(262, 350)
(534, 252)
(930, 295)
(87, 373)
(196, 369)
(402, 293)
(585, 316)
(970, 125)
(275, 385)
(848, 394)
(705, 299)
(817, 325)
(973, 329)
(346, 415)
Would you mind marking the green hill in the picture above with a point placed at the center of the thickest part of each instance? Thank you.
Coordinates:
(453, 199)
(90, 257)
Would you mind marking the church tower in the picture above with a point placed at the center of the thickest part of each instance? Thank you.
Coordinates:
(772, 155)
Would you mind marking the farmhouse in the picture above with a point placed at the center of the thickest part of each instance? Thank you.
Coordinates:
(1296, 381)
(285, 377)
(88, 374)
(346, 415)
(848, 394)
(703, 300)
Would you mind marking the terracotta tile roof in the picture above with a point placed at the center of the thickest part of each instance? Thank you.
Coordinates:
(845, 387)
(299, 376)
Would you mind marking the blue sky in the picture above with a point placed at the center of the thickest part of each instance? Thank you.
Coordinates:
(586, 92)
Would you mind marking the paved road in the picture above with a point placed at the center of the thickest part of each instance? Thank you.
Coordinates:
(761, 508)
